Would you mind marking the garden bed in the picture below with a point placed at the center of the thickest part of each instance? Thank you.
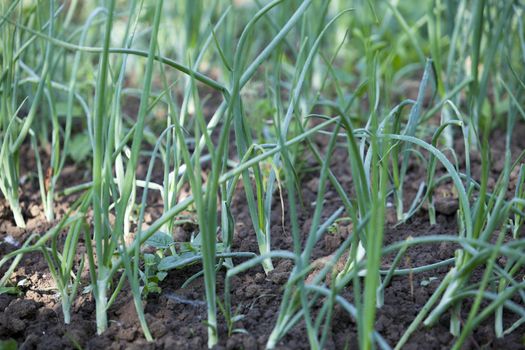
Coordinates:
(177, 315)
(276, 174)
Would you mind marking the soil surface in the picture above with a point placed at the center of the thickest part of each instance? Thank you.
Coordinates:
(177, 315)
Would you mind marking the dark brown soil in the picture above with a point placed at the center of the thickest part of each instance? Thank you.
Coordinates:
(177, 316)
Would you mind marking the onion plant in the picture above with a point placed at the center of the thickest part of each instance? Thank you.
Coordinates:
(62, 264)
(105, 244)
(14, 129)
(61, 257)
(296, 304)
(484, 213)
